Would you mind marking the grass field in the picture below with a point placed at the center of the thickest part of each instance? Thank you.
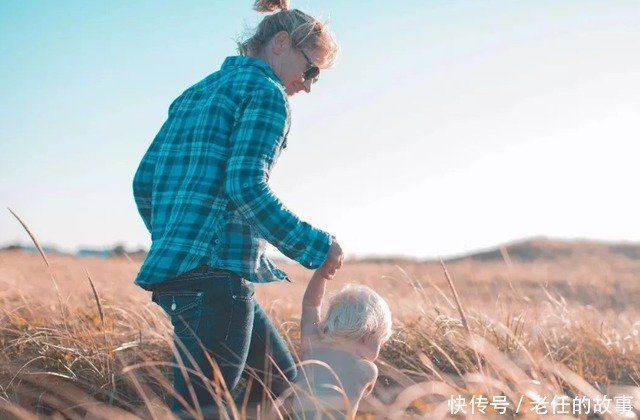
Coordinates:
(553, 336)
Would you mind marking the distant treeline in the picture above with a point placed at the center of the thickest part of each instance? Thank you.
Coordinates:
(116, 251)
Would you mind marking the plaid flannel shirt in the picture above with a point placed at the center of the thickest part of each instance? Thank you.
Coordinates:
(202, 186)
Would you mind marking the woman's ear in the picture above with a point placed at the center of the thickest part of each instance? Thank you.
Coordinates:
(281, 42)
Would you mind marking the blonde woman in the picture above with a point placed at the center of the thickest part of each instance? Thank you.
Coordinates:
(202, 191)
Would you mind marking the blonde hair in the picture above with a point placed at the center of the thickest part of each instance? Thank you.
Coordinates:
(357, 312)
(306, 32)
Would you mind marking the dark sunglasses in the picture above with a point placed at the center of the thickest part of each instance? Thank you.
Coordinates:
(312, 72)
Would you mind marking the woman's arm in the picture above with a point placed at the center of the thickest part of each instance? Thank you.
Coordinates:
(256, 140)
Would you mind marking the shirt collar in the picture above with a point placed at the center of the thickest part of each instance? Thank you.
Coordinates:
(243, 60)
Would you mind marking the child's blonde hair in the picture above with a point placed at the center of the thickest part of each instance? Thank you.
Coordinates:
(357, 312)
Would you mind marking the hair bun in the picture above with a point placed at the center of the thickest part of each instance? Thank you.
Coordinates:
(267, 6)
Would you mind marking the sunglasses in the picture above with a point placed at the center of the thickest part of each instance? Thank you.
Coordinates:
(312, 72)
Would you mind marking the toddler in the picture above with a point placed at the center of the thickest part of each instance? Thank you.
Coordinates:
(337, 369)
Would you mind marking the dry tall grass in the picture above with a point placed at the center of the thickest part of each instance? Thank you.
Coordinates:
(551, 337)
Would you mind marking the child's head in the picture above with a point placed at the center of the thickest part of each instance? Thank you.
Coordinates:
(358, 314)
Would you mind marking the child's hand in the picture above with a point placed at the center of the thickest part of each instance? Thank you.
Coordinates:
(324, 272)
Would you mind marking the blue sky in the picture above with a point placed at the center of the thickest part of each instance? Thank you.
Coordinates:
(445, 127)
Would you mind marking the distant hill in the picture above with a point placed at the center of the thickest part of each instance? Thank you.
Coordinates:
(546, 249)
(527, 250)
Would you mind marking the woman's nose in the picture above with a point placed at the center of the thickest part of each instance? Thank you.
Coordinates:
(307, 86)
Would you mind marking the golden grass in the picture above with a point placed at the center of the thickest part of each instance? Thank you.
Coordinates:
(79, 338)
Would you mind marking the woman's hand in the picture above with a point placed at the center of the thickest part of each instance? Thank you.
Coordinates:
(334, 260)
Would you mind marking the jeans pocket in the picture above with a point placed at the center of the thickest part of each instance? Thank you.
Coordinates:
(242, 290)
(184, 310)
(241, 314)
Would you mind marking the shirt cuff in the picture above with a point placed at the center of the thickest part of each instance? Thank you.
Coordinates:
(318, 252)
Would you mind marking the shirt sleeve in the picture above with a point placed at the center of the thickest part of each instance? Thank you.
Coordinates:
(255, 141)
(142, 192)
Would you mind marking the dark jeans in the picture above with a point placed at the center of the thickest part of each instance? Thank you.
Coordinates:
(214, 313)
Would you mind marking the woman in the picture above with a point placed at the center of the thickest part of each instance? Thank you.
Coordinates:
(202, 191)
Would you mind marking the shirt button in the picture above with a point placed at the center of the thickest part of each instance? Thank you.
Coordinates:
(245, 184)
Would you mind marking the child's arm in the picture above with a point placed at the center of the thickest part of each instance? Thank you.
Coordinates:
(312, 302)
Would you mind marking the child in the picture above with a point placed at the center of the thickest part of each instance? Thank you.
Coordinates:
(338, 352)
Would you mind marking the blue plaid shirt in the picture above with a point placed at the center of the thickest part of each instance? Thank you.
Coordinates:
(202, 186)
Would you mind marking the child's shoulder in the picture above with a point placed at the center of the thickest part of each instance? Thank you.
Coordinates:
(368, 376)
(367, 369)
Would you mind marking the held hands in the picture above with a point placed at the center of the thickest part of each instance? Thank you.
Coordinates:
(334, 260)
